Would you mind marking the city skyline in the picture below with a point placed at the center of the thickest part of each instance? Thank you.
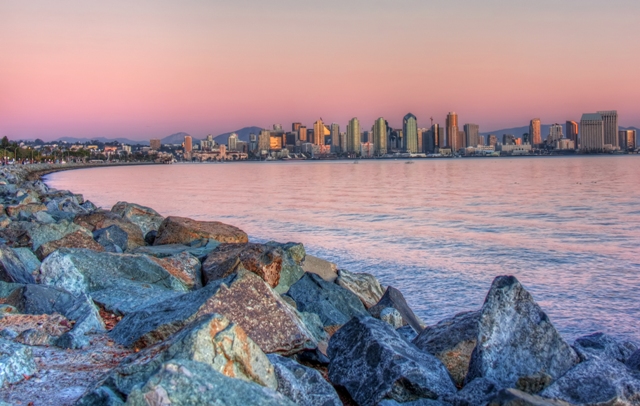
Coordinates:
(139, 70)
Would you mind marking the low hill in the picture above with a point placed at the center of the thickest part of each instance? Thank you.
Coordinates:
(243, 134)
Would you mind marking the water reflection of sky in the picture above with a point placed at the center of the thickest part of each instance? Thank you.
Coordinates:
(440, 230)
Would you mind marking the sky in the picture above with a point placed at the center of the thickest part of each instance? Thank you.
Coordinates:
(146, 69)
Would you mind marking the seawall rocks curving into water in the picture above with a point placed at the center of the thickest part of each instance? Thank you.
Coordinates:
(105, 307)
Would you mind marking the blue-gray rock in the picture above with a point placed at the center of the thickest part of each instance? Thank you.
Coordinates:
(291, 271)
(16, 362)
(120, 282)
(28, 258)
(182, 382)
(408, 333)
(334, 304)
(150, 237)
(43, 233)
(212, 340)
(363, 285)
(392, 317)
(452, 341)
(598, 381)
(103, 219)
(373, 362)
(38, 299)
(419, 402)
(101, 396)
(516, 338)
(44, 217)
(112, 238)
(393, 298)
(163, 251)
(33, 337)
(7, 288)
(634, 361)
(303, 385)
(244, 298)
(144, 217)
(477, 392)
(603, 345)
(8, 333)
(12, 269)
(514, 397)
(72, 341)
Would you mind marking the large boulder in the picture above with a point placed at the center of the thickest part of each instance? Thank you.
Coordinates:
(323, 268)
(600, 345)
(516, 338)
(181, 230)
(120, 282)
(112, 238)
(363, 285)
(452, 341)
(373, 362)
(28, 208)
(15, 235)
(212, 340)
(183, 266)
(144, 217)
(38, 299)
(244, 298)
(16, 362)
(28, 258)
(12, 269)
(602, 381)
(44, 233)
(103, 219)
(476, 392)
(633, 362)
(200, 250)
(393, 298)
(77, 239)
(269, 261)
(334, 304)
(303, 385)
(182, 382)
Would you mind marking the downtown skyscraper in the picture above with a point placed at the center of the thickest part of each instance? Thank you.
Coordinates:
(472, 133)
(353, 136)
(535, 132)
(451, 127)
(572, 132)
(380, 137)
(318, 132)
(335, 138)
(591, 133)
(410, 132)
(610, 123)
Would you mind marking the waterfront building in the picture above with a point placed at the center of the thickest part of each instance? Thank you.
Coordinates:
(302, 134)
(508, 139)
(513, 149)
(421, 132)
(343, 142)
(318, 132)
(264, 141)
(492, 140)
(535, 135)
(480, 140)
(253, 142)
(335, 138)
(555, 134)
(439, 137)
(275, 141)
(610, 124)
(188, 144)
(471, 132)
(451, 126)
(367, 136)
(380, 137)
(277, 127)
(461, 140)
(572, 131)
(627, 139)
(155, 144)
(632, 139)
(295, 126)
(591, 132)
(410, 132)
(232, 142)
(565, 143)
(367, 150)
(353, 136)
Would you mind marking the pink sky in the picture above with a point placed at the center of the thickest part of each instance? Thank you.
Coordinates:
(148, 69)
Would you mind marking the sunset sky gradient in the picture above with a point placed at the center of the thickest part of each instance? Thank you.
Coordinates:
(147, 69)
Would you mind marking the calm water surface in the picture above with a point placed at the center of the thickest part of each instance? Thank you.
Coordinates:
(439, 230)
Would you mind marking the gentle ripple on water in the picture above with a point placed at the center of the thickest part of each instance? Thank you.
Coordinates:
(439, 230)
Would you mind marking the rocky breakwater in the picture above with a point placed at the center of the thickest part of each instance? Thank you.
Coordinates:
(124, 306)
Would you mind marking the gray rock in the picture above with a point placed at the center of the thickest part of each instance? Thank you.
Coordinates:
(12, 269)
(144, 217)
(43, 233)
(150, 237)
(291, 271)
(182, 382)
(102, 396)
(452, 341)
(4, 220)
(314, 324)
(407, 333)
(112, 238)
(244, 298)
(392, 317)
(334, 304)
(119, 282)
(38, 299)
(603, 381)
(43, 217)
(634, 361)
(514, 397)
(212, 340)
(393, 298)
(72, 341)
(363, 285)
(419, 402)
(89, 207)
(373, 362)
(303, 385)
(28, 258)
(16, 362)
(325, 269)
(34, 337)
(603, 345)
(163, 251)
(477, 392)
(516, 339)
(6, 288)
(8, 334)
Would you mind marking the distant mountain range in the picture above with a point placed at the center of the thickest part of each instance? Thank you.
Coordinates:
(544, 130)
(243, 134)
(72, 140)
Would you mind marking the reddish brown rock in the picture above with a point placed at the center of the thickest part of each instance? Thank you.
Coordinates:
(77, 239)
(263, 260)
(30, 208)
(181, 230)
(103, 219)
(183, 266)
